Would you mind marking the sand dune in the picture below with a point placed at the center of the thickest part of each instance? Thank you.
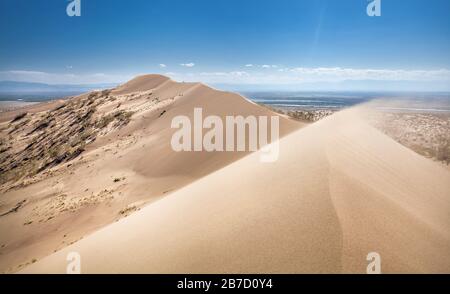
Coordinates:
(340, 190)
(141, 83)
(127, 163)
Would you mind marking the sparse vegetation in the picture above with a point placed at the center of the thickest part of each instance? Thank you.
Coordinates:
(53, 137)
(116, 180)
(425, 133)
(19, 117)
(120, 117)
(104, 121)
(128, 210)
(443, 150)
(59, 107)
(106, 92)
(123, 117)
(15, 208)
(310, 115)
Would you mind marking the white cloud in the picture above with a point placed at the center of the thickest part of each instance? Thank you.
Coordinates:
(249, 65)
(300, 75)
(269, 66)
(239, 73)
(212, 77)
(281, 76)
(191, 64)
(225, 74)
(162, 65)
(334, 74)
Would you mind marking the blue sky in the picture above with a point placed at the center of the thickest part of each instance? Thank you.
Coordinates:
(280, 42)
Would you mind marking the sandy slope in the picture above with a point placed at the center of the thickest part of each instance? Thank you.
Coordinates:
(340, 190)
(121, 171)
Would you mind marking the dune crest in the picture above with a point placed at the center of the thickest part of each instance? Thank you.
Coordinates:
(339, 191)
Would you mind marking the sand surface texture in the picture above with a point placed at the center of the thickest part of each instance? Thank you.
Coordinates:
(340, 190)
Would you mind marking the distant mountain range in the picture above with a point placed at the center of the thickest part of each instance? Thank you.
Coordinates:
(13, 86)
(12, 90)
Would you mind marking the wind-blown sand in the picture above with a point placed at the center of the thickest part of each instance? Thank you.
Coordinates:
(340, 190)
